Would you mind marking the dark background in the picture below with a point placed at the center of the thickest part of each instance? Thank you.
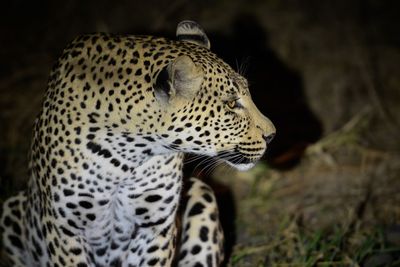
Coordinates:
(313, 66)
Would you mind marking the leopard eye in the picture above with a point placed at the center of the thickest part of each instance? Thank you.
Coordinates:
(232, 103)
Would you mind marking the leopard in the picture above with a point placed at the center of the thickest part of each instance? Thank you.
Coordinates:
(106, 184)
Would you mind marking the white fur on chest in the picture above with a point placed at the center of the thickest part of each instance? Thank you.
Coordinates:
(148, 199)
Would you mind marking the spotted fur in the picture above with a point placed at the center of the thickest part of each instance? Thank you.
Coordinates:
(106, 159)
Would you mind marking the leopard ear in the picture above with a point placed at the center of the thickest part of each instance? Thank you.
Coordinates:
(180, 78)
(192, 32)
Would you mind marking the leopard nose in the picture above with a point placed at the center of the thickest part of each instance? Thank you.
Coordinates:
(268, 138)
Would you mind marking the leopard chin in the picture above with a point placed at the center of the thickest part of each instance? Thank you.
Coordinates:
(242, 166)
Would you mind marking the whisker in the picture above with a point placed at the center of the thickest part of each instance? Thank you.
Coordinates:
(217, 162)
(194, 158)
(244, 66)
(203, 162)
(206, 166)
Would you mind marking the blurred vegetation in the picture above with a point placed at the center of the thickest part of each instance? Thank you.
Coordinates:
(296, 246)
(338, 207)
(326, 72)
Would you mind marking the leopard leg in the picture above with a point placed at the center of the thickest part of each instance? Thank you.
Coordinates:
(202, 236)
(150, 248)
(31, 241)
(14, 251)
(72, 251)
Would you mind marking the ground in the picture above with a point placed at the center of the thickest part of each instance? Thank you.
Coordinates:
(338, 207)
(325, 72)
